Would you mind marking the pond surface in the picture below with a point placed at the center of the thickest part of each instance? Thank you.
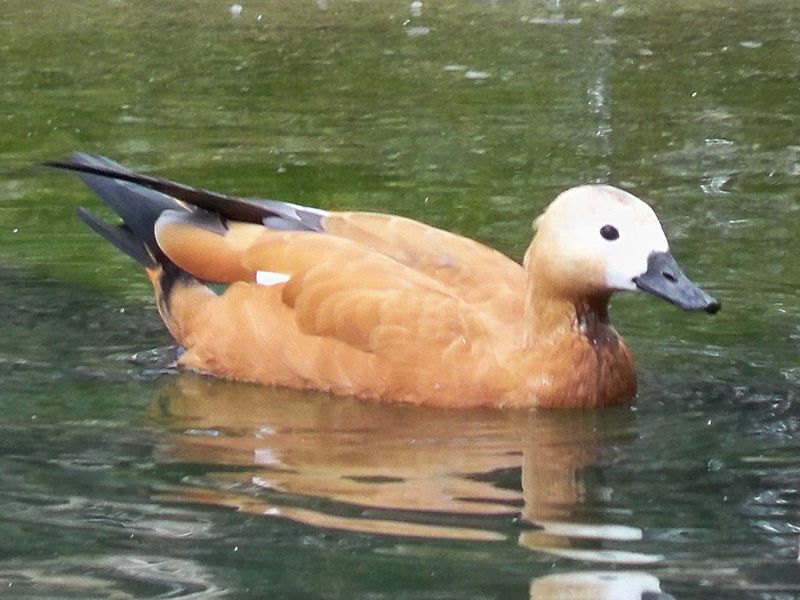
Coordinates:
(120, 478)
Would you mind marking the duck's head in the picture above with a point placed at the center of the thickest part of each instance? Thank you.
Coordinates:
(598, 239)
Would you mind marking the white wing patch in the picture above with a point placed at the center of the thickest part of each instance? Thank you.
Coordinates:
(270, 278)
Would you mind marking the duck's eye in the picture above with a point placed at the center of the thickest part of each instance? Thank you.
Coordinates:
(609, 232)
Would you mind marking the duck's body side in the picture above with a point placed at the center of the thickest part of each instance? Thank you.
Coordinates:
(374, 306)
(249, 333)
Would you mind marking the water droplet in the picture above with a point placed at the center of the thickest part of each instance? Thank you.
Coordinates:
(417, 31)
(751, 44)
(477, 75)
(553, 20)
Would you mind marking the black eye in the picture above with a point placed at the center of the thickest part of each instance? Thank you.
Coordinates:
(609, 232)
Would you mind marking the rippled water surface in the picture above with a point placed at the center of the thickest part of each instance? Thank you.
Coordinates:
(120, 478)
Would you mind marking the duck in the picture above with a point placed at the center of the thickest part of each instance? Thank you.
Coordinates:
(386, 308)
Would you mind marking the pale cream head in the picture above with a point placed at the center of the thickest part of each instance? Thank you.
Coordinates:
(595, 238)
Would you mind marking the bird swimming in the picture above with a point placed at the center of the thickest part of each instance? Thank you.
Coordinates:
(386, 308)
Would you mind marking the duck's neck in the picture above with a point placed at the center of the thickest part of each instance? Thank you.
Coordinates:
(550, 317)
(578, 358)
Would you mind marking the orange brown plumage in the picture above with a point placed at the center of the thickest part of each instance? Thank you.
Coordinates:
(387, 308)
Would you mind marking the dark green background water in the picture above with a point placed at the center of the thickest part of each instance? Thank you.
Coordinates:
(121, 479)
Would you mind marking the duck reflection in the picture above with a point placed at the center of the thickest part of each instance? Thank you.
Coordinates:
(398, 470)
(598, 585)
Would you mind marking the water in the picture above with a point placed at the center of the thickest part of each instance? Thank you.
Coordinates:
(120, 478)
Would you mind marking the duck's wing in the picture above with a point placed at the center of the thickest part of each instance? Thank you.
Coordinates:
(335, 285)
(337, 289)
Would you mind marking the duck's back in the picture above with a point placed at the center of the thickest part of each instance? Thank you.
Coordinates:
(477, 274)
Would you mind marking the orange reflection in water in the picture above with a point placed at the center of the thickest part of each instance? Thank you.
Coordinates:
(395, 470)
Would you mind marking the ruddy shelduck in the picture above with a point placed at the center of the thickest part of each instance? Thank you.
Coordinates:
(384, 307)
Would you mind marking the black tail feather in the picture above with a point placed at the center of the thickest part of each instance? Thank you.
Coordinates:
(120, 236)
(137, 206)
(140, 200)
(95, 169)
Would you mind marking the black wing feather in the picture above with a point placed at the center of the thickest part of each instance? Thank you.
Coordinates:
(230, 207)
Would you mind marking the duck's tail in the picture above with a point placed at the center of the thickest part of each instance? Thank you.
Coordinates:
(139, 207)
(111, 181)
(141, 200)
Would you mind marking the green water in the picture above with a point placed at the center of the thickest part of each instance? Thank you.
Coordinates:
(122, 479)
